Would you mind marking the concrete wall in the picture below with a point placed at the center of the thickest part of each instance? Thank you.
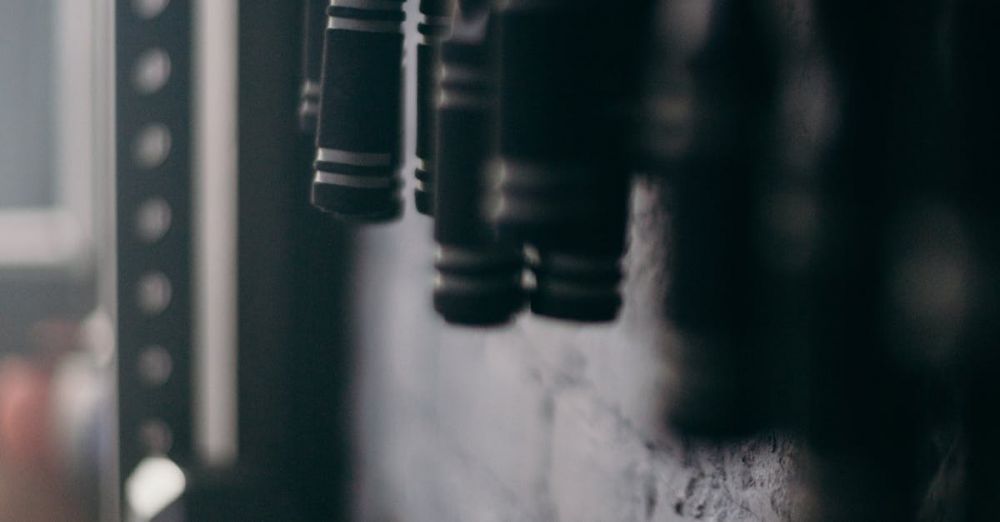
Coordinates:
(541, 420)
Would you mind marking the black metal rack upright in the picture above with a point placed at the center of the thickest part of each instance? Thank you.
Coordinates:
(153, 193)
(294, 363)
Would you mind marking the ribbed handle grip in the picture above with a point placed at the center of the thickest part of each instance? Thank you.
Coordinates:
(359, 133)
(478, 279)
(568, 70)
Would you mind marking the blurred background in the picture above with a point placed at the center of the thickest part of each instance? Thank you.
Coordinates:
(806, 320)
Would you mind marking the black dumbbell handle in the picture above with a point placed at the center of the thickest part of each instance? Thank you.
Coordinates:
(359, 133)
(561, 172)
(478, 279)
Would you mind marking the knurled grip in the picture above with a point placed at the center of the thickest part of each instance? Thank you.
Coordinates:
(359, 133)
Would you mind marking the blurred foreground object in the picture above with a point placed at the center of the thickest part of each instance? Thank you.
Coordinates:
(885, 169)
(977, 81)
(716, 187)
(33, 484)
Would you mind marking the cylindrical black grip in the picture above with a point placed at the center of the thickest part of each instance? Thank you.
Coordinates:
(314, 23)
(561, 175)
(478, 279)
(433, 27)
(541, 174)
(359, 133)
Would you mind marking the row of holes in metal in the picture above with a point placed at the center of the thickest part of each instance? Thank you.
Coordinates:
(149, 75)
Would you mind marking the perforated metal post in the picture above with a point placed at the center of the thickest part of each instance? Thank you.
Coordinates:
(153, 142)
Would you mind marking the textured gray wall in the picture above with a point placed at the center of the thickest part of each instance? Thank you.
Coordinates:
(541, 420)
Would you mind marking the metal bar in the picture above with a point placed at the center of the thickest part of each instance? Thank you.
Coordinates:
(153, 190)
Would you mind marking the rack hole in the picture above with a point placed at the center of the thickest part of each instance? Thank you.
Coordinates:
(148, 9)
(156, 437)
(152, 220)
(151, 71)
(155, 366)
(154, 293)
(152, 146)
